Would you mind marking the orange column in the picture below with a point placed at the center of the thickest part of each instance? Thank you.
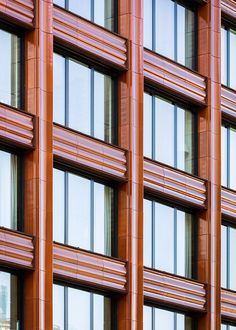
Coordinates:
(209, 162)
(130, 223)
(38, 166)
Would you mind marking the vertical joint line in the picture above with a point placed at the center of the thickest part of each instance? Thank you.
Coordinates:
(92, 215)
(92, 103)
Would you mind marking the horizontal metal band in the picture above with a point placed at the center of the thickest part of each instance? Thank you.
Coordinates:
(173, 290)
(18, 11)
(89, 39)
(228, 304)
(176, 185)
(16, 127)
(87, 268)
(173, 77)
(16, 249)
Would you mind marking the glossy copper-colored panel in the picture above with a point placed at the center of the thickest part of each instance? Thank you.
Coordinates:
(209, 162)
(228, 203)
(171, 290)
(228, 8)
(89, 39)
(228, 304)
(87, 268)
(16, 249)
(38, 168)
(85, 152)
(18, 11)
(174, 78)
(16, 127)
(228, 102)
(177, 186)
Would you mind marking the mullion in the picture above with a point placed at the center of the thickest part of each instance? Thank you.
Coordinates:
(175, 241)
(92, 10)
(153, 235)
(154, 25)
(153, 127)
(228, 57)
(92, 232)
(67, 91)
(66, 307)
(92, 102)
(228, 258)
(175, 32)
(175, 137)
(66, 210)
(91, 310)
(153, 319)
(228, 156)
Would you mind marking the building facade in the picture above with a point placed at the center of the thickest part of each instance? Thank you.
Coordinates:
(117, 164)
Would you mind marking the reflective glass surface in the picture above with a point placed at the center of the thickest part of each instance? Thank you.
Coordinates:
(78, 309)
(99, 11)
(228, 255)
(172, 34)
(167, 239)
(8, 190)
(228, 156)
(83, 212)
(164, 121)
(10, 67)
(228, 54)
(227, 327)
(83, 99)
(159, 319)
(9, 318)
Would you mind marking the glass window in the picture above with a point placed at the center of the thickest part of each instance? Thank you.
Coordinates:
(161, 117)
(159, 319)
(228, 54)
(176, 39)
(167, 239)
(9, 313)
(8, 190)
(80, 203)
(78, 309)
(83, 99)
(228, 156)
(10, 67)
(99, 11)
(228, 327)
(228, 255)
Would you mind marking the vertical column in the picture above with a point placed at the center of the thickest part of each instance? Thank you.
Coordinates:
(130, 223)
(209, 126)
(38, 166)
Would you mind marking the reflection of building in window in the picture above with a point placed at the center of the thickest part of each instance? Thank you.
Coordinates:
(4, 322)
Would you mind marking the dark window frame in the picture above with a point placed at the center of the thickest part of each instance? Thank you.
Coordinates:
(191, 6)
(94, 67)
(173, 310)
(20, 183)
(92, 291)
(114, 218)
(184, 106)
(11, 28)
(194, 241)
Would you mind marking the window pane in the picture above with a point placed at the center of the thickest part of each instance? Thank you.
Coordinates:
(101, 312)
(224, 327)
(79, 96)
(59, 3)
(232, 158)
(164, 123)
(58, 307)
(103, 210)
(232, 59)
(8, 302)
(103, 121)
(59, 89)
(148, 233)
(164, 318)
(58, 206)
(148, 24)
(79, 211)
(148, 125)
(164, 238)
(104, 13)
(224, 256)
(231, 327)
(147, 318)
(165, 41)
(232, 242)
(190, 41)
(10, 69)
(223, 56)
(185, 140)
(78, 309)
(184, 244)
(8, 190)
(224, 142)
(81, 7)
